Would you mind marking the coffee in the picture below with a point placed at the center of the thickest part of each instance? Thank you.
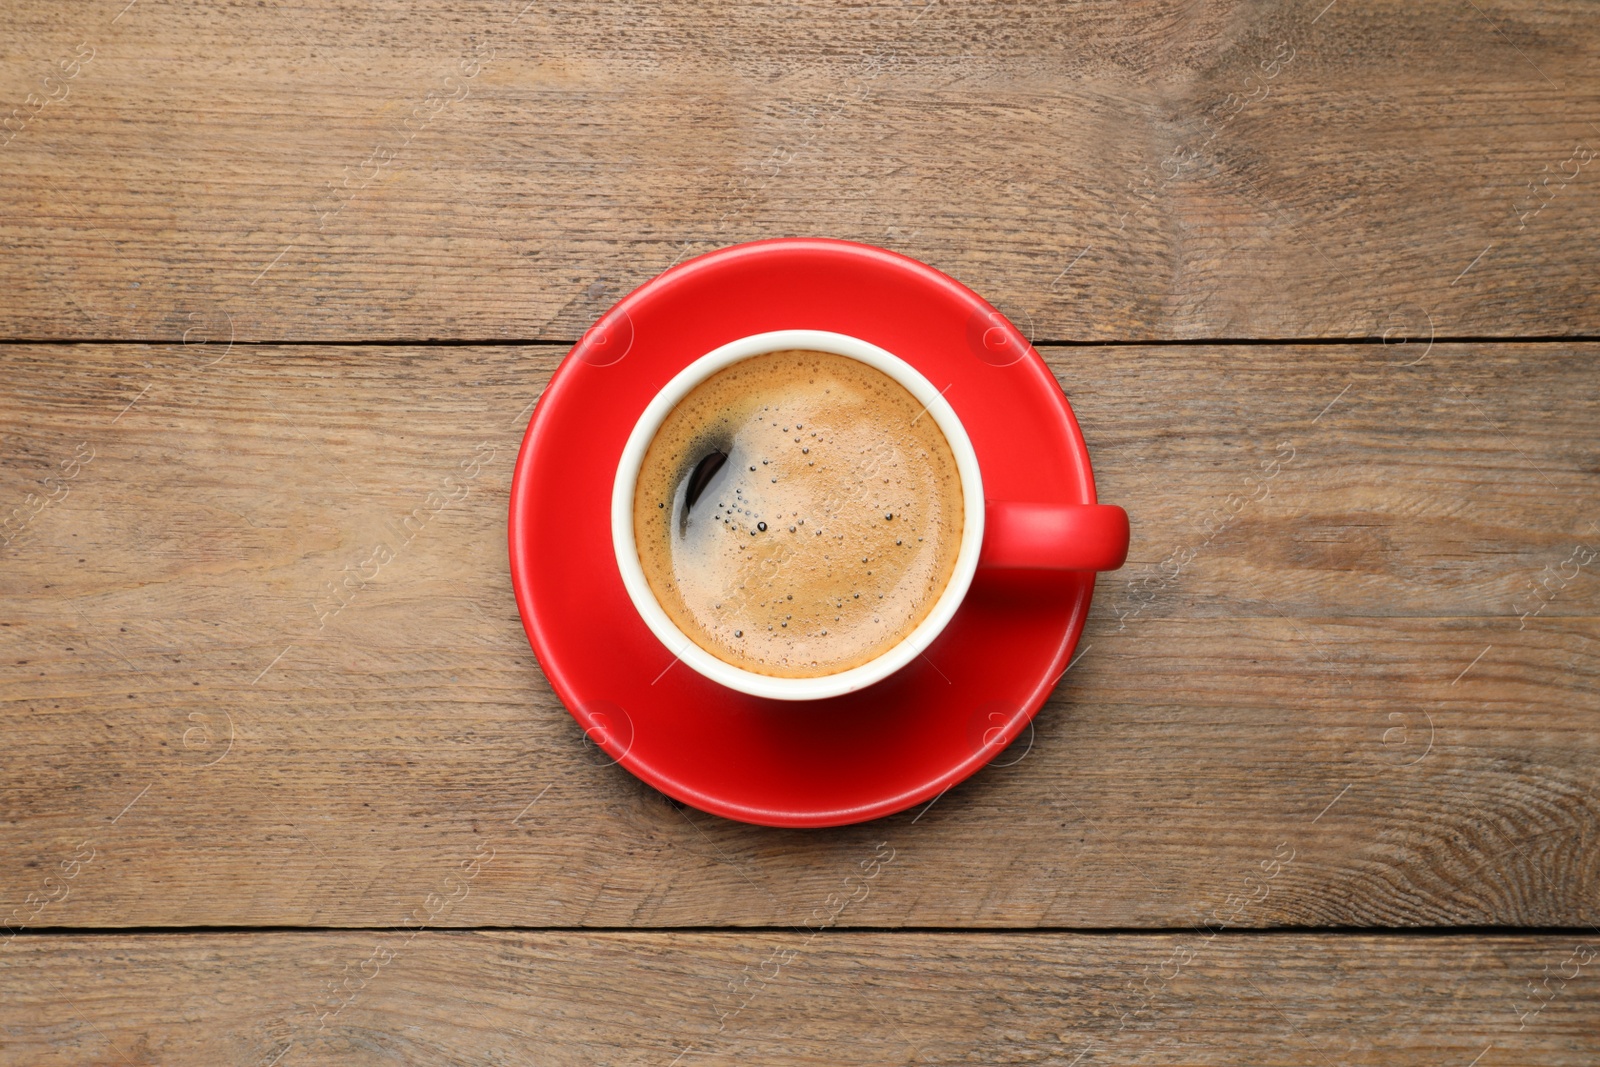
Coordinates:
(798, 513)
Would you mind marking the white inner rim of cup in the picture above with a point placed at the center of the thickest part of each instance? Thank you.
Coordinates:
(765, 685)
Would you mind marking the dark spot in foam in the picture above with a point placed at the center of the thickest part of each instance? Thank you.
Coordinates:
(701, 476)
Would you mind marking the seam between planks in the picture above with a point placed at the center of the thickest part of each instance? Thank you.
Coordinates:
(554, 342)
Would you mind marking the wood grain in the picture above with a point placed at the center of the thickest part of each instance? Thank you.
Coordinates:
(1339, 676)
(435, 169)
(513, 998)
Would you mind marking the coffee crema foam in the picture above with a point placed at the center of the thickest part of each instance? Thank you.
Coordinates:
(825, 536)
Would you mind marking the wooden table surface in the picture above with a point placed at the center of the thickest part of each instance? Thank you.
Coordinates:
(1322, 787)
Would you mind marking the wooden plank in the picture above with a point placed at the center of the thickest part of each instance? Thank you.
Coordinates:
(445, 169)
(555, 998)
(1374, 678)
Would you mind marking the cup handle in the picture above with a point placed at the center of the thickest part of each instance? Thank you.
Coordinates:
(1054, 537)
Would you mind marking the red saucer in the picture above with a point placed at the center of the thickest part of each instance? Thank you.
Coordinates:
(852, 758)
